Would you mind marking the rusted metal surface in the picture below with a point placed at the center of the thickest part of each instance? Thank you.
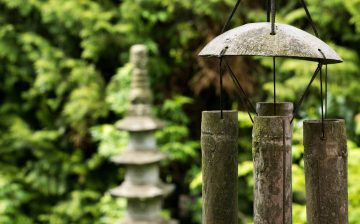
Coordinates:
(326, 172)
(254, 39)
(272, 136)
(219, 147)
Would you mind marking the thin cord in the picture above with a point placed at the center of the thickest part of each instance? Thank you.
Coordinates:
(242, 94)
(273, 16)
(322, 105)
(326, 83)
(274, 74)
(250, 105)
(326, 90)
(230, 16)
(233, 77)
(222, 53)
(310, 18)
(298, 105)
(221, 88)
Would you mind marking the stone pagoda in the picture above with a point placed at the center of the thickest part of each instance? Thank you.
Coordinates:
(142, 186)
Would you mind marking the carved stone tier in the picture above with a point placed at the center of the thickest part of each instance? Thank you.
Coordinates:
(138, 157)
(130, 191)
(140, 123)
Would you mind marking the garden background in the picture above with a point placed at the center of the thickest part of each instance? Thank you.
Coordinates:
(64, 82)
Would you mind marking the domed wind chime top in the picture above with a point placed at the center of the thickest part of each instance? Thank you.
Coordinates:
(255, 39)
(273, 40)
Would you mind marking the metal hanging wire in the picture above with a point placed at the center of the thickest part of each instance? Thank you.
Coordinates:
(322, 98)
(221, 73)
(222, 54)
(318, 70)
(326, 90)
(298, 105)
(310, 18)
(221, 86)
(271, 11)
(326, 84)
(322, 105)
(231, 16)
(241, 92)
(273, 16)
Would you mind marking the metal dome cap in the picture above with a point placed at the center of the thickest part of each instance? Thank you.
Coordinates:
(254, 39)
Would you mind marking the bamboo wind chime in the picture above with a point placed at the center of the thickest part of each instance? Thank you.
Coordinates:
(325, 153)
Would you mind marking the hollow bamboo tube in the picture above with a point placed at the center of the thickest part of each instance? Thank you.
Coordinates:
(272, 164)
(326, 172)
(219, 144)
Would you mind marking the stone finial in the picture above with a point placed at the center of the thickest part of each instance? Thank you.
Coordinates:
(139, 116)
(139, 56)
(140, 93)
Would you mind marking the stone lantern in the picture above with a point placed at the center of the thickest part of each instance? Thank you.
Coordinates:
(142, 186)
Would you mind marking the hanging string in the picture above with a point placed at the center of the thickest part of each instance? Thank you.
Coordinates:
(223, 52)
(310, 18)
(274, 74)
(322, 106)
(230, 16)
(221, 87)
(242, 94)
(298, 105)
(250, 106)
(326, 90)
(326, 83)
(273, 16)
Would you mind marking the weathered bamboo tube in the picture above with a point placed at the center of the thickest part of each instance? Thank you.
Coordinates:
(272, 137)
(219, 144)
(326, 172)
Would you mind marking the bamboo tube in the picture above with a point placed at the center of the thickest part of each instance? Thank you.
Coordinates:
(272, 164)
(219, 144)
(326, 172)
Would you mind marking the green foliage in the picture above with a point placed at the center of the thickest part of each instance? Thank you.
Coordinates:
(65, 80)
